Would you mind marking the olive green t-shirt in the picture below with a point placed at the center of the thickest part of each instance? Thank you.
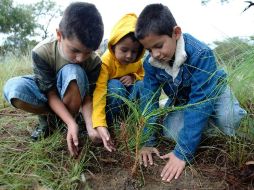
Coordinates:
(47, 61)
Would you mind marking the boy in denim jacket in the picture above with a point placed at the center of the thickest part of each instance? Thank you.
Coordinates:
(186, 70)
(65, 72)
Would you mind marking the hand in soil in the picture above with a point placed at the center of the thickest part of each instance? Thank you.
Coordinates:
(72, 140)
(106, 139)
(146, 155)
(173, 168)
(94, 135)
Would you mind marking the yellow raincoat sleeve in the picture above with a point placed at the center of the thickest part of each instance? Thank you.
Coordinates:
(99, 98)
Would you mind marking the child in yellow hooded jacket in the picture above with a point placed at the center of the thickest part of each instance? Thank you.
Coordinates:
(121, 73)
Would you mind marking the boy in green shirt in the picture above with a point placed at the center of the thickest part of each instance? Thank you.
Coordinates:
(65, 72)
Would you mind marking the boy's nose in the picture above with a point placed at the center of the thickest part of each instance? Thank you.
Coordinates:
(156, 54)
(80, 58)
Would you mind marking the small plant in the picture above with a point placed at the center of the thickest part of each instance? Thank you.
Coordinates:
(131, 129)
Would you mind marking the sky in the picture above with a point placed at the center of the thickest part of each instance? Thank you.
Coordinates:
(213, 22)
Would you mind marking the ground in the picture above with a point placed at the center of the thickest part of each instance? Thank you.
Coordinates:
(211, 170)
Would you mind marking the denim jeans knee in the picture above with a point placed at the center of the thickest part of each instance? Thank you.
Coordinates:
(173, 123)
(136, 90)
(116, 90)
(69, 73)
(228, 113)
(25, 89)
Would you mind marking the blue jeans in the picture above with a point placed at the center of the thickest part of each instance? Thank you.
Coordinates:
(25, 88)
(117, 89)
(226, 116)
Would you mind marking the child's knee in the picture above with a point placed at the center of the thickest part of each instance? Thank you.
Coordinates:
(67, 75)
(10, 88)
(114, 84)
(139, 85)
(229, 120)
(228, 113)
(116, 87)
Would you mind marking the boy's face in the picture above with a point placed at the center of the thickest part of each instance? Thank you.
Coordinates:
(162, 47)
(126, 51)
(72, 49)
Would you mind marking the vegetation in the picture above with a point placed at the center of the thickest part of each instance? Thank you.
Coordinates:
(21, 24)
(46, 164)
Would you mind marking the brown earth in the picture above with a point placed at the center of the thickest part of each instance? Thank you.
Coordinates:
(211, 170)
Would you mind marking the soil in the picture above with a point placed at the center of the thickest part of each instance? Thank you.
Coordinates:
(116, 176)
(113, 170)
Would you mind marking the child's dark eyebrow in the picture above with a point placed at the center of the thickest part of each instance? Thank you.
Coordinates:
(154, 46)
(75, 50)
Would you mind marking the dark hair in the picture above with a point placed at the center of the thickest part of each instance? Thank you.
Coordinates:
(131, 35)
(156, 19)
(82, 21)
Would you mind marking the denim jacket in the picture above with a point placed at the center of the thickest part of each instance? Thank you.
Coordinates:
(196, 83)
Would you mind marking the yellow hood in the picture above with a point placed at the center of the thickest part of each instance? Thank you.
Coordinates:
(124, 26)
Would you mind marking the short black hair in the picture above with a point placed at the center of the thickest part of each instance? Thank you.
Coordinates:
(82, 21)
(156, 19)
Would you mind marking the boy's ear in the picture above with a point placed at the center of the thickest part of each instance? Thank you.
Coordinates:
(177, 32)
(58, 35)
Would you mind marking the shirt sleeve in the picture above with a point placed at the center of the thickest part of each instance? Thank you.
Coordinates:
(44, 74)
(199, 107)
(93, 74)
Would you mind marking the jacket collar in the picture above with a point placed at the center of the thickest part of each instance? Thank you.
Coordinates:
(180, 58)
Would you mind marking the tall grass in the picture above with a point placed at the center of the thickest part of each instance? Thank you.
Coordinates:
(44, 164)
(241, 79)
(26, 165)
(11, 66)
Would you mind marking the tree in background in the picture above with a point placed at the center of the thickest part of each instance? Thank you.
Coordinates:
(232, 50)
(21, 26)
(17, 23)
(48, 10)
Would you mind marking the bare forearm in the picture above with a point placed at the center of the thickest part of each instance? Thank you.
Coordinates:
(87, 108)
(59, 108)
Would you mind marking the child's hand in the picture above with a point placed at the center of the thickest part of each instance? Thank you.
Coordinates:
(72, 139)
(94, 135)
(146, 154)
(106, 139)
(127, 80)
(173, 168)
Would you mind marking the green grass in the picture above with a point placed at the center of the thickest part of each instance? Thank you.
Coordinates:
(12, 66)
(25, 164)
(241, 80)
(28, 165)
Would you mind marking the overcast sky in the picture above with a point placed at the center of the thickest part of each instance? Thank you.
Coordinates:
(208, 23)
